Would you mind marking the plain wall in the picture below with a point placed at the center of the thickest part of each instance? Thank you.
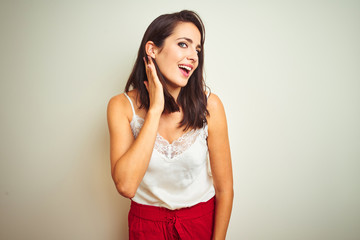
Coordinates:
(288, 73)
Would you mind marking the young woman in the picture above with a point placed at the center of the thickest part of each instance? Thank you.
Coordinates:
(162, 132)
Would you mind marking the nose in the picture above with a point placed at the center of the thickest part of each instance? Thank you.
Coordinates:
(193, 56)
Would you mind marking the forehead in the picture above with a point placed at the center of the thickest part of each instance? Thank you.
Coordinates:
(187, 30)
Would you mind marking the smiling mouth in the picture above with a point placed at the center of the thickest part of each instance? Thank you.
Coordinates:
(185, 69)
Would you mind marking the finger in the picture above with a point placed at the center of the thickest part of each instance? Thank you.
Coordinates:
(152, 68)
(150, 63)
(145, 62)
(146, 83)
(147, 68)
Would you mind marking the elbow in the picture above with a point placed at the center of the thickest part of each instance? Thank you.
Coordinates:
(124, 188)
(229, 192)
(125, 191)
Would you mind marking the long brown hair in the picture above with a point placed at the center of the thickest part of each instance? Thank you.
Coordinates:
(192, 97)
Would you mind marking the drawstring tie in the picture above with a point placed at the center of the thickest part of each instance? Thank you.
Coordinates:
(175, 222)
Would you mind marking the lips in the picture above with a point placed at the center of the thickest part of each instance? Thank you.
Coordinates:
(185, 69)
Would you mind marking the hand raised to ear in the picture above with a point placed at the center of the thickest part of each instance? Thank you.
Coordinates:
(154, 86)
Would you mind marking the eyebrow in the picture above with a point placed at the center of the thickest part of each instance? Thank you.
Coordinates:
(190, 41)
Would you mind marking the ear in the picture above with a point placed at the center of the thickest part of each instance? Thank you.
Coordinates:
(151, 49)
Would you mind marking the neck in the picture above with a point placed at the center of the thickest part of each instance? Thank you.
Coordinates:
(174, 92)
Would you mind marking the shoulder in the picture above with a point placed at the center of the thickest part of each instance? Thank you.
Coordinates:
(119, 106)
(121, 100)
(117, 103)
(214, 104)
(216, 118)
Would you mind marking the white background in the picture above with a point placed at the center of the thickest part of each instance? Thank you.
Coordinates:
(288, 73)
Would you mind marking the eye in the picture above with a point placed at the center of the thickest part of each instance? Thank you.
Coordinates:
(182, 44)
(198, 51)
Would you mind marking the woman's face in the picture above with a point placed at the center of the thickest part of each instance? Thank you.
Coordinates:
(178, 57)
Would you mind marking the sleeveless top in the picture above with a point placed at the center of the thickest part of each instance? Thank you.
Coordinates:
(179, 173)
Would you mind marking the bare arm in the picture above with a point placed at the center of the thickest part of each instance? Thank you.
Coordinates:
(221, 167)
(130, 157)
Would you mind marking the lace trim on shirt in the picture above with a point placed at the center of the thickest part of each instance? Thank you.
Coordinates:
(178, 146)
(136, 124)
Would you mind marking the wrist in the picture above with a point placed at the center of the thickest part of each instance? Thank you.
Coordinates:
(154, 112)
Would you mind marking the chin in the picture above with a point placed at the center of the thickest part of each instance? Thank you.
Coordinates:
(175, 83)
(184, 83)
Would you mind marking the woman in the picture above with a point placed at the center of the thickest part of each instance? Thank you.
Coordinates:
(162, 132)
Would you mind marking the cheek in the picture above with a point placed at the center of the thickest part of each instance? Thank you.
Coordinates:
(196, 66)
(166, 61)
(172, 53)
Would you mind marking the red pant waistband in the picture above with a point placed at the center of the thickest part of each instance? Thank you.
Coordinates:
(163, 214)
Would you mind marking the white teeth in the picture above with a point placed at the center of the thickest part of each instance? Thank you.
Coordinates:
(186, 67)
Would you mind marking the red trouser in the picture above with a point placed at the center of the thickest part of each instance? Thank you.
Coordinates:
(158, 223)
